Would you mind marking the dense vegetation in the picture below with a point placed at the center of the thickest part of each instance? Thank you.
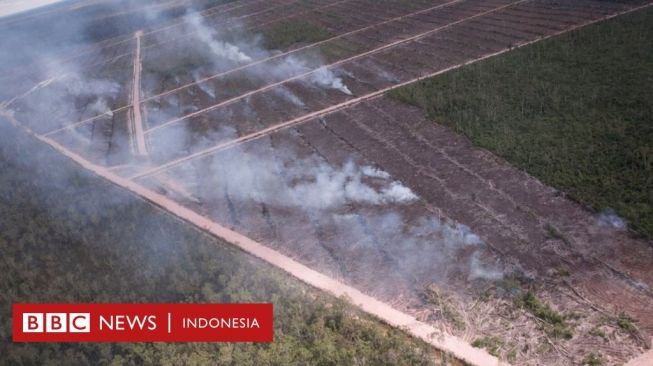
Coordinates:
(575, 111)
(68, 236)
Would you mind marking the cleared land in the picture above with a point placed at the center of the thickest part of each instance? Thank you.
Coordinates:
(299, 149)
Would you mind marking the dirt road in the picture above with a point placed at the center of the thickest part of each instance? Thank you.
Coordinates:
(137, 119)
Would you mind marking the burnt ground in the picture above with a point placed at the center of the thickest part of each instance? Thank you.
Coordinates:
(362, 188)
(585, 266)
(530, 233)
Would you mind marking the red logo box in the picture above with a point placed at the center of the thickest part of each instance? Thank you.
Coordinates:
(143, 323)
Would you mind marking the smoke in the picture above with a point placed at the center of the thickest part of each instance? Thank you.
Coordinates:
(205, 87)
(399, 193)
(325, 186)
(100, 107)
(290, 96)
(326, 78)
(481, 270)
(375, 172)
(101, 92)
(364, 206)
(69, 98)
(77, 85)
(221, 49)
(307, 184)
(241, 50)
(424, 250)
(609, 219)
(365, 211)
(380, 71)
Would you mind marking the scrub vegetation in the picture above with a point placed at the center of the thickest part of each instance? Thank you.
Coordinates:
(491, 344)
(593, 359)
(69, 236)
(574, 111)
(555, 323)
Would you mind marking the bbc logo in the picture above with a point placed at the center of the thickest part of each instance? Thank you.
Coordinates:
(56, 322)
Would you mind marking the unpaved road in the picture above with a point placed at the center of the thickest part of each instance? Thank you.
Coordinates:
(137, 119)
(645, 359)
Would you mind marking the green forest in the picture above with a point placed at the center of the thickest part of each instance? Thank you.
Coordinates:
(575, 111)
(69, 236)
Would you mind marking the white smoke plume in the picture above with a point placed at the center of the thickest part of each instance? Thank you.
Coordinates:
(100, 107)
(326, 186)
(375, 172)
(70, 98)
(367, 206)
(326, 78)
(426, 250)
(221, 49)
(480, 270)
(246, 50)
(77, 85)
(609, 219)
(207, 88)
(399, 193)
(308, 183)
(289, 96)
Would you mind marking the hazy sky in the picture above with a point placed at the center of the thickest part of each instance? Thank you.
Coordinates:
(9, 7)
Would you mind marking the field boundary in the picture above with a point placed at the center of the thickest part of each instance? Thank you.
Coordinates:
(136, 125)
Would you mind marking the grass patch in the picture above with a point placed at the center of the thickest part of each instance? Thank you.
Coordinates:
(491, 344)
(557, 326)
(625, 322)
(574, 111)
(593, 359)
(497, 347)
(283, 35)
(597, 331)
(553, 233)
